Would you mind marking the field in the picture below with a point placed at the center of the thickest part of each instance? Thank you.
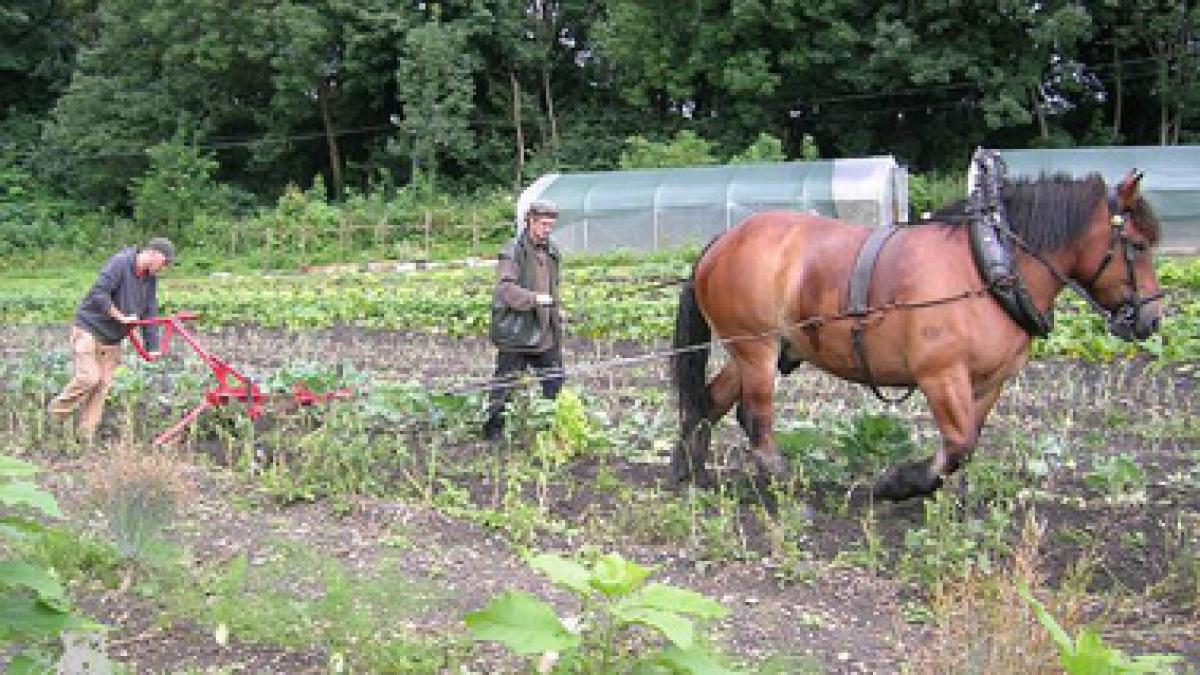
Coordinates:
(356, 537)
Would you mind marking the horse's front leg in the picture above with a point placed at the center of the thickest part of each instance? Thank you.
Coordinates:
(958, 419)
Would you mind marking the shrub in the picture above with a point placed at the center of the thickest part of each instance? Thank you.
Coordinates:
(982, 625)
(928, 192)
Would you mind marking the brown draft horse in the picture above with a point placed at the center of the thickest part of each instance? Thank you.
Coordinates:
(763, 286)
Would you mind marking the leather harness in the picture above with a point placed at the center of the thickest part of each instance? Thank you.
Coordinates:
(858, 306)
(993, 257)
(992, 249)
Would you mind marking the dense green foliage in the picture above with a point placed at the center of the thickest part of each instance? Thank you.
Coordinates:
(604, 297)
(182, 116)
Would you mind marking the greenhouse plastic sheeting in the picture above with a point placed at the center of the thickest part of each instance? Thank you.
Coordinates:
(1171, 182)
(662, 208)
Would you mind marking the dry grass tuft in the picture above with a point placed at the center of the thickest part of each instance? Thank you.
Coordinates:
(983, 625)
(139, 491)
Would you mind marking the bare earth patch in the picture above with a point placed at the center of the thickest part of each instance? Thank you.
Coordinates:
(845, 618)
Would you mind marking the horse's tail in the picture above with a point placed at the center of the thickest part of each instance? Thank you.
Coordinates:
(688, 365)
(690, 360)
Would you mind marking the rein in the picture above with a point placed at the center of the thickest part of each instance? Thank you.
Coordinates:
(869, 314)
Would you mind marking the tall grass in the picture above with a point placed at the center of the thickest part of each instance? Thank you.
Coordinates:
(983, 625)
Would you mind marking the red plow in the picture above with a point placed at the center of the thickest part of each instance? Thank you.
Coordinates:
(232, 384)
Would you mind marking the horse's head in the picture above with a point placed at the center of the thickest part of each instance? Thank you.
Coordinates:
(1116, 262)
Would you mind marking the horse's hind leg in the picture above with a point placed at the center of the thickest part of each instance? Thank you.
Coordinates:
(691, 456)
(786, 364)
(757, 365)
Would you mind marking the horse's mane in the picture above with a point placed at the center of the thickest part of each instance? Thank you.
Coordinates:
(1052, 212)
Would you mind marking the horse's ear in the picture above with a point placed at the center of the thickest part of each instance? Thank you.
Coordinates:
(1128, 187)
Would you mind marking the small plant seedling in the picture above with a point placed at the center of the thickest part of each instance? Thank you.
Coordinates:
(1087, 654)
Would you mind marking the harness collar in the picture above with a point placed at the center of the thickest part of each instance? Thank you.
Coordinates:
(994, 256)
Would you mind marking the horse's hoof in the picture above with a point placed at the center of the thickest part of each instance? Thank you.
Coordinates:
(698, 476)
(889, 487)
(773, 467)
(905, 482)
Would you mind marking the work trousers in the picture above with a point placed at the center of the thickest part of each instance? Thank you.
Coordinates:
(95, 364)
(547, 366)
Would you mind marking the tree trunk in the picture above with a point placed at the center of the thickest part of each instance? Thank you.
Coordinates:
(550, 108)
(1164, 116)
(519, 165)
(1043, 127)
(548, 35)
(1119, 93)
(335, 162)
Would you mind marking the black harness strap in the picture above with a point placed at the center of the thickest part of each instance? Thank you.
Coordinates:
(858, 307)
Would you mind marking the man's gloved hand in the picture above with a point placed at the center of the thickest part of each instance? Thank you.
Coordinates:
(544, 299)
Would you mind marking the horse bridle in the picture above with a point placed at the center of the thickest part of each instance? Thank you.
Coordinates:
(1126, 312)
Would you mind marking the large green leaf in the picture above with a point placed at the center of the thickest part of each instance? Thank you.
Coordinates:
(678, 629)
(613, 575)
(694, 661)
(563, 572)
(11, 467)
(28, 494)
(29, 664)
(523, 623)
(1090, 655)
(22, 616)
(19, 528)
(673, 599)
(16, 574)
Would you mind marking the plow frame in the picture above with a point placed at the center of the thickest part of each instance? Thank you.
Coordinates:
(232, 384)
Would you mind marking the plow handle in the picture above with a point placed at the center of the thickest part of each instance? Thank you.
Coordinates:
(170, 324)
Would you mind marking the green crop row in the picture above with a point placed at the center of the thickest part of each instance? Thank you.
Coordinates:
(624, 299)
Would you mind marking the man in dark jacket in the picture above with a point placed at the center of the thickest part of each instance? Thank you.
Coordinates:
(126, 290)
(527, 276)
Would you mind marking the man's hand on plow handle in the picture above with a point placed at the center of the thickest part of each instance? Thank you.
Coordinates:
(243, 389)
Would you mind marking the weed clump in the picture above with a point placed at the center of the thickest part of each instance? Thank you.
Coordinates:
(138, 492)
(984, 624)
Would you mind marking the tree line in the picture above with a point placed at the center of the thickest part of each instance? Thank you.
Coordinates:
(461, 95)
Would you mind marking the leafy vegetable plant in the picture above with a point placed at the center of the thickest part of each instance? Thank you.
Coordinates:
(615, 600)
(34, 607)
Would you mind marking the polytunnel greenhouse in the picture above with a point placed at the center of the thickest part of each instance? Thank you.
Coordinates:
(1171, 182)
(662, 208)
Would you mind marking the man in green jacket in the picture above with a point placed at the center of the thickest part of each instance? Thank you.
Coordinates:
(527, 275)
(125, 290)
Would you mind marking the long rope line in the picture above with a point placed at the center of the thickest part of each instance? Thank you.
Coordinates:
(541, 375)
